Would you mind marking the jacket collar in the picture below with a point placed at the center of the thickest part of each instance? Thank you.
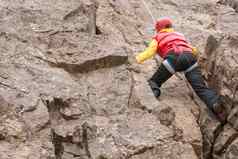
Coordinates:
(167, 30)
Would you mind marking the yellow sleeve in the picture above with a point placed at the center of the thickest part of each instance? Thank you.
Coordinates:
(148, 53)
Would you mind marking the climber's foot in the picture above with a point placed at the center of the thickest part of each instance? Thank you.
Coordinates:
(220, 111)
(156, 93)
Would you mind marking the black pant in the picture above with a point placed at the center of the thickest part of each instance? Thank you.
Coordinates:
(181, 63)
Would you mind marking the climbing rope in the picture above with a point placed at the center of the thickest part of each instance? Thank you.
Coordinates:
(149, 11)
(154, 21)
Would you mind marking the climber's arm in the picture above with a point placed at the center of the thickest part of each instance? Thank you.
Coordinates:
(149, 52)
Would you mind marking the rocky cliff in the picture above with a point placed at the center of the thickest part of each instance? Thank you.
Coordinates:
(70, 88)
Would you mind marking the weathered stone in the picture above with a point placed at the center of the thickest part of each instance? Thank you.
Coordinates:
(221, 74)
(233, 117)
(210, 129)
(15, 132)
(76, 54)
(141, 92)
(232, 3)
(170, 151)
(124, 136)
(224, 139)
(232, 150)
(166, 116)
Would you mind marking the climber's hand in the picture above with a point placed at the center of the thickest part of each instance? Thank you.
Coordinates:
(138, 59)
(146, 43)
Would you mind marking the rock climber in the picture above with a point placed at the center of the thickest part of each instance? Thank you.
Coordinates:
(179, 56)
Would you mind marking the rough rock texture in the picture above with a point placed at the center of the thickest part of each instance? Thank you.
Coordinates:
(232, 3)
(70, 89)
(221, 73)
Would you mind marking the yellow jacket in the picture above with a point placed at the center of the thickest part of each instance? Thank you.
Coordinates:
(151, 50)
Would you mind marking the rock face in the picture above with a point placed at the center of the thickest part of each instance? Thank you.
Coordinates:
(232, 3)
(221, 73)
(70, 89)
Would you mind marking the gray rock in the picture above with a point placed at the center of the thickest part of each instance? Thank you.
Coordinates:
(224, 139)
(232, 150)
(70, 88)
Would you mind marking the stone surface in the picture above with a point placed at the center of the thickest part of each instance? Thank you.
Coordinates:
(70, 87)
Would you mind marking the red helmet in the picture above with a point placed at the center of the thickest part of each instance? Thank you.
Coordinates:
(163, 23)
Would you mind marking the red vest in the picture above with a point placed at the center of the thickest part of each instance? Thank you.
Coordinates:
(171, 41)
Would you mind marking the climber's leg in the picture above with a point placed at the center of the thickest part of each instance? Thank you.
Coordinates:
(159, 77)
(185, 62)
(213, 101)
(207, 95)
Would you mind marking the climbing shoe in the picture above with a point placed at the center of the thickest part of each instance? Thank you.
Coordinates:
(156, 93)
(219, 110)
(155, 88)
